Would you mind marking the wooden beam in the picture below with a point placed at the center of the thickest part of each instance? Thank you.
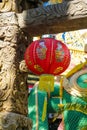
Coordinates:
(66, 16)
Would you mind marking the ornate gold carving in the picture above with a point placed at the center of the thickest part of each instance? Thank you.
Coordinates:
(5, 5)
(8, 18)
(18, 5)
(23, 67)
(10, 5)
(13, 89)
(40, 18)
(85, 81)
(73, 81)
(77, 107)
(72, 87)
(13, 121)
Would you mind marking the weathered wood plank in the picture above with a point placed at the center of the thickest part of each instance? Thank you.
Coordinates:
(57, 18)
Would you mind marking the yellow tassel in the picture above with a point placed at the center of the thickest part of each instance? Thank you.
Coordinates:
(61, 87)
(44, 109)
(60, 105)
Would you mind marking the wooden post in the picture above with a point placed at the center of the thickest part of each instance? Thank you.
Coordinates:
(13, 74)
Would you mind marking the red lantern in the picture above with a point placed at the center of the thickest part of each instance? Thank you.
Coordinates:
(47, 56)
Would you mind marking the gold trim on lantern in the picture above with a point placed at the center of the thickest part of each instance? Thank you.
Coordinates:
(58, 69)
(51, 52)
(38, 68)
(28, 59)
(29, 62)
